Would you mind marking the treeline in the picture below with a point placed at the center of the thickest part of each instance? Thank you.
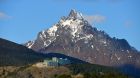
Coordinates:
(95, 71)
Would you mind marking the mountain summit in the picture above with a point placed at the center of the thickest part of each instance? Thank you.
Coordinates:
(75, 37)
(75, 14)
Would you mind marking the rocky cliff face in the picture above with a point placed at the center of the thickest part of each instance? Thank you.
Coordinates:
(75, 37)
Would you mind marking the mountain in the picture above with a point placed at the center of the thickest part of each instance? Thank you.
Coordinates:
(74, 36)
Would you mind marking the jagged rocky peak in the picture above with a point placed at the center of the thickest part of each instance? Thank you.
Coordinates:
(73, 21)
(74, 24)
(74, 14)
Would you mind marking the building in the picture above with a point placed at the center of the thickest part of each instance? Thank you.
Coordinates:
(56, 61)
(63, 61)
(51, 62)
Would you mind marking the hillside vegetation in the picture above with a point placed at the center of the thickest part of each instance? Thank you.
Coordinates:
(70, 71)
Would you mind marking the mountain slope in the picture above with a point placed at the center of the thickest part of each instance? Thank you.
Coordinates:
(75, 37)
(12, 54)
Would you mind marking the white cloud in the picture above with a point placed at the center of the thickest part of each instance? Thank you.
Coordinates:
(4, 16)
(95, 18)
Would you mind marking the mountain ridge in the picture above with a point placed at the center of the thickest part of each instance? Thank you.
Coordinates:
(13, 54)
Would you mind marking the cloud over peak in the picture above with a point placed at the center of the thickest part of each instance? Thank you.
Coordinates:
(95, 18)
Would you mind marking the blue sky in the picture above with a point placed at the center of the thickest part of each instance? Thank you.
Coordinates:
(21, 20)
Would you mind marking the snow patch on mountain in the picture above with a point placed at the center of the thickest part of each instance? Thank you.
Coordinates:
(30, 44)
(74, 25)
(118, 58)
(92, 46)
(51, 31)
